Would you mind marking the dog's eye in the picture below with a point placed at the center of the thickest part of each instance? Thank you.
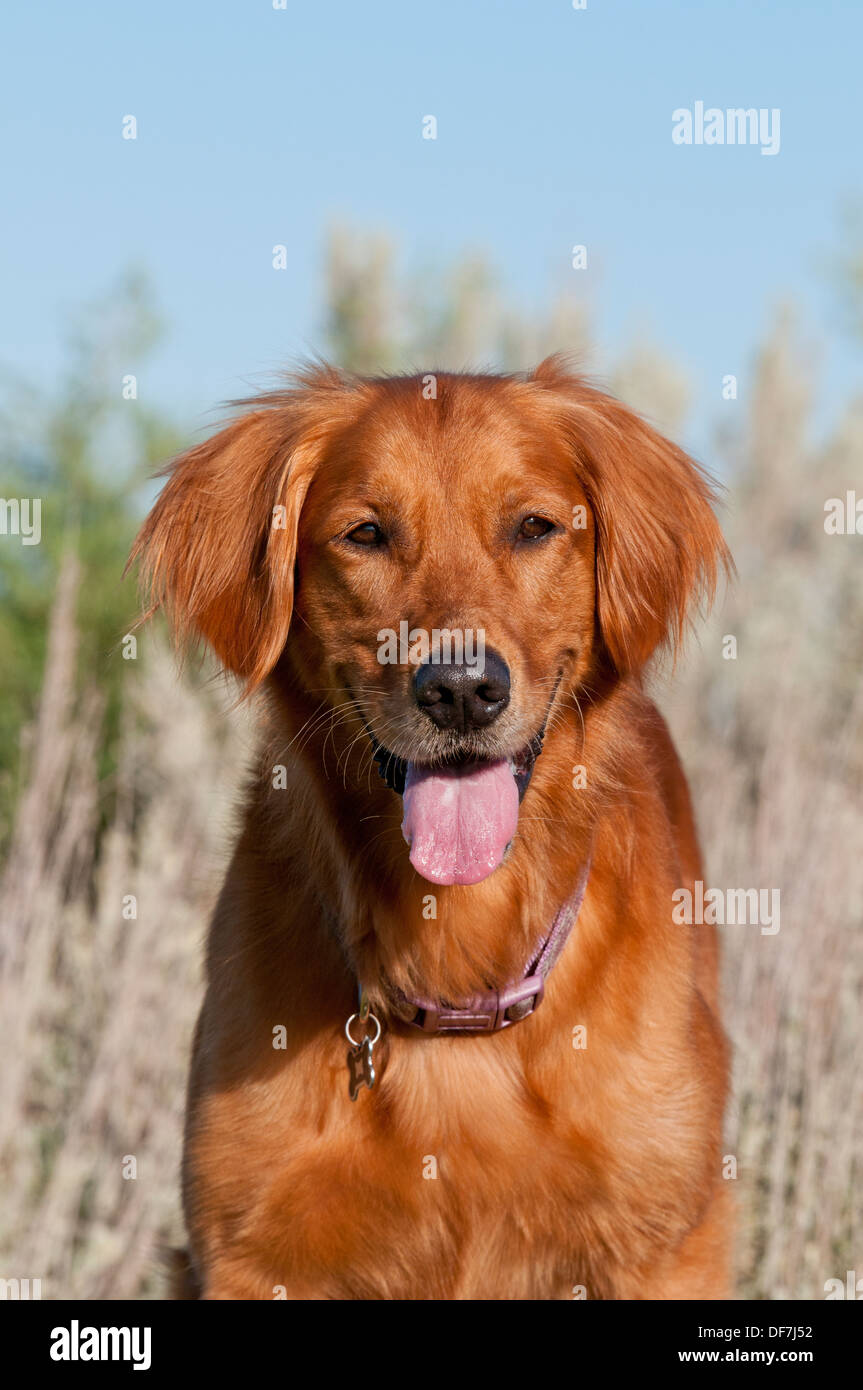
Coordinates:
(533, 527)
(368, 534)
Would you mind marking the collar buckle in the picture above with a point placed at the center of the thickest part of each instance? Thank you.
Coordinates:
(488, 1013)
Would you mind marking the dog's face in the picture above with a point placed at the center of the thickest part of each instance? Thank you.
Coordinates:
(455, 552)
(444, 587)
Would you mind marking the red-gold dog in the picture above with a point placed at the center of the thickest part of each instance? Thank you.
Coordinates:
(454, 582)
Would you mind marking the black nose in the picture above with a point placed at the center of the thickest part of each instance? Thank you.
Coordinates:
(463, 697)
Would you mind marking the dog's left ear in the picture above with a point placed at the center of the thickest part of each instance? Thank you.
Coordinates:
(659, 548)
(219, 547)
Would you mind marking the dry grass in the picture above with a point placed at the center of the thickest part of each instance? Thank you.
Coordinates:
(97, 1008)
(789, 818)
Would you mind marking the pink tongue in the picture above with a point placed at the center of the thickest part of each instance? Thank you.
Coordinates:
(458, 821)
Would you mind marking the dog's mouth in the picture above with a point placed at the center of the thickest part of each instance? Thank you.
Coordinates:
(460, 816)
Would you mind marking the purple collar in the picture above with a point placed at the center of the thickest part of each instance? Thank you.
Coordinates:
(497, 1009)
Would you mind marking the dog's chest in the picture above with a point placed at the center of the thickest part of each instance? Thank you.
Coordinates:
(502, 1190)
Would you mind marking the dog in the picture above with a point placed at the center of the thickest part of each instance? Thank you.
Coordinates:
(453, 1044)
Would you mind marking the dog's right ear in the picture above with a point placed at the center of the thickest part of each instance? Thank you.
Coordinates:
(217, 551)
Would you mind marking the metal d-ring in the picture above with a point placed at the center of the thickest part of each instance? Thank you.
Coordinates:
(372, 1041)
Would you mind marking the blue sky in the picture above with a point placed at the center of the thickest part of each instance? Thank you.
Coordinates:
(260, 126)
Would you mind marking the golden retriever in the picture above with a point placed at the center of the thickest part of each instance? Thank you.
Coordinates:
(460, 840)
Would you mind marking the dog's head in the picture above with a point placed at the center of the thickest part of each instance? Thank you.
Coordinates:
(439, 557)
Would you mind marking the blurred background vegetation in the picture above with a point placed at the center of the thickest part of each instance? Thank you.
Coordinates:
(117, 777)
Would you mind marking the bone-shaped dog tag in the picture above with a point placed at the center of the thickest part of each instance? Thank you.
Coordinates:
(361, 1067)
